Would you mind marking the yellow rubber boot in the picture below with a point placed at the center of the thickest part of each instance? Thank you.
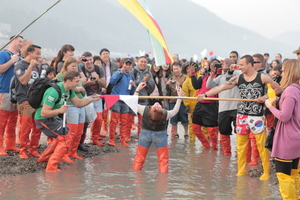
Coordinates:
(286, 186)
(264, 154)
(192, 134)
(242, 141)
(295, 175)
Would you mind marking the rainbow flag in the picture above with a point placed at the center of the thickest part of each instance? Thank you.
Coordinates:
(141, 11)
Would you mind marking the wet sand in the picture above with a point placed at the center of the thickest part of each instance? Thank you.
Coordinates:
(11, 164)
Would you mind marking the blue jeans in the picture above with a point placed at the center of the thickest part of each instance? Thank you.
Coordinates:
(159, 138)
(98, 106)
(75, 115)
(120, 107)
(180, 116)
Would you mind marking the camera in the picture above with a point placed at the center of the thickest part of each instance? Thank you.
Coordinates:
(84, 59)
(93, 78)
(217, 66)
(172, 81)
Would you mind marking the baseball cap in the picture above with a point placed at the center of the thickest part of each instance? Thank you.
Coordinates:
(128, 60)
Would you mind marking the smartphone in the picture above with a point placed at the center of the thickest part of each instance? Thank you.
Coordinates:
(218, 66)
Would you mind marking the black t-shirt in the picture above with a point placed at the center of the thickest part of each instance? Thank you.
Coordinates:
(94, 88)
(21, 90)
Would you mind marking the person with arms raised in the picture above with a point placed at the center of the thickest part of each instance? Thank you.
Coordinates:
(154, 130)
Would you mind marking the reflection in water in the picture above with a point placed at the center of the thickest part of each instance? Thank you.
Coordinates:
(194, 173)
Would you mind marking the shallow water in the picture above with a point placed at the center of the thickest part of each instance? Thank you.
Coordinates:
(194, 173)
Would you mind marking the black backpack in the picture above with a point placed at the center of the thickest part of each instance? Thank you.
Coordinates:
(37, 89)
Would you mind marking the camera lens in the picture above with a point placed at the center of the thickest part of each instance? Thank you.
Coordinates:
(84, 59)
(93, 78)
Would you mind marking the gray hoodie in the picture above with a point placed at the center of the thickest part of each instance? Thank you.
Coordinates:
(138, 76)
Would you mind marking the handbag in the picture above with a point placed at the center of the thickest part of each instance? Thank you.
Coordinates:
(269, 139)
(90, 113)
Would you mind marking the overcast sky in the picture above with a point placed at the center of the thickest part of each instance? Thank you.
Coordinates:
(269, 18)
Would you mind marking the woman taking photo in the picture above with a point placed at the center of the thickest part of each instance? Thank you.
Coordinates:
(286, 143)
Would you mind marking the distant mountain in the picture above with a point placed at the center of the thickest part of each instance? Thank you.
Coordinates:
(91, 25)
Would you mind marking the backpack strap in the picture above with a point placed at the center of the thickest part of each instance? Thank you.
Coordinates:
(57, 88)
(134, 73)
(9, 52)
(97, 69)
(83, 70)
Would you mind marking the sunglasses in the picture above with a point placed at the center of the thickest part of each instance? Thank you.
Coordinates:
(256, 62)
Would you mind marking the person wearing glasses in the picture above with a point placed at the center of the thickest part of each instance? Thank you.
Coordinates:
(110, 67)
(297, 52)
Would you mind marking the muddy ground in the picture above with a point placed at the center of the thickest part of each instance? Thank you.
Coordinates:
(11, 164)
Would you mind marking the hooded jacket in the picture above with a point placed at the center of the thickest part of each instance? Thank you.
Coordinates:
(138, 76)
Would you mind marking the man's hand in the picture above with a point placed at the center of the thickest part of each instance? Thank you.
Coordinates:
(141, 86)
(132, 83)
(14, 58)
(33, 63)
(95, 97)
(63, 109)
(262, 99)
(95, 75)
(146, 78)
(200, 97)
(123, 70)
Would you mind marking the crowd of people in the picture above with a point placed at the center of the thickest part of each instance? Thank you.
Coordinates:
(82, 81)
